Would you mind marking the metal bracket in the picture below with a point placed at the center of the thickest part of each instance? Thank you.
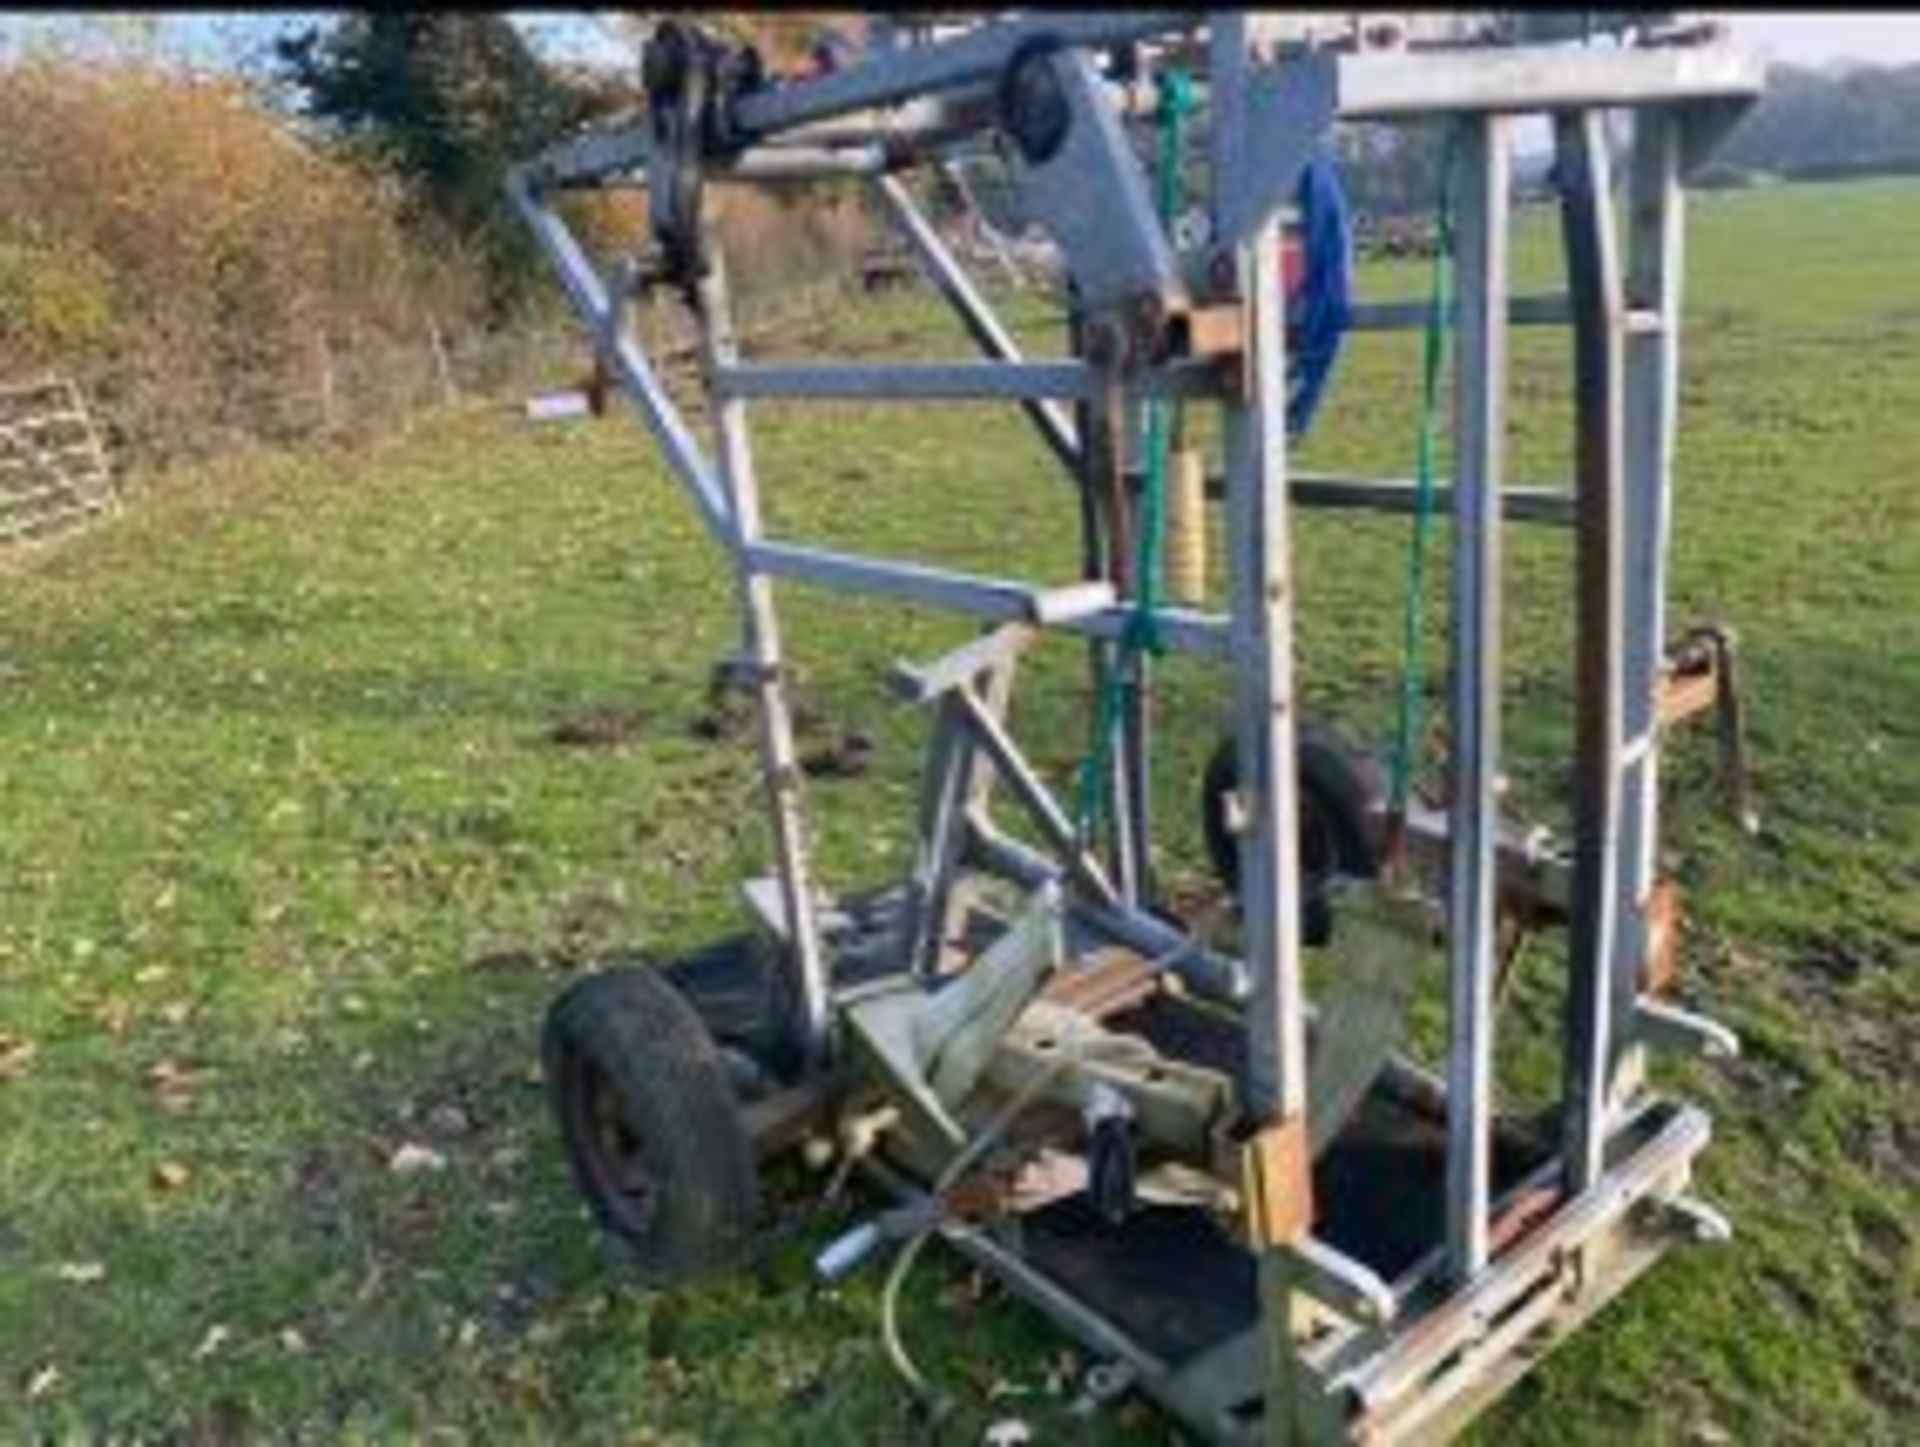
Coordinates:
(1693, 1217)
(990, 652)
(1276, 1184)
(691, 80)
(1665, 1025)
(1288, 106)
(1079, 177)
(1343, 1283)
(1705, 123)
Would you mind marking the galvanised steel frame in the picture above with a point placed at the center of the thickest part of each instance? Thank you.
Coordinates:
(1389, 1360)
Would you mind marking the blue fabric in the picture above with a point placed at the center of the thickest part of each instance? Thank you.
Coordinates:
(1326, 284)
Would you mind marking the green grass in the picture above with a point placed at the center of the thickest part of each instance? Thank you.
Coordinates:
(281, 811)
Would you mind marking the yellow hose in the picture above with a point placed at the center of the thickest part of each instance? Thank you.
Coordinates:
(1187, 528)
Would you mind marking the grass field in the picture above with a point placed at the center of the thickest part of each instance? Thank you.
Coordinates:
(291, 864)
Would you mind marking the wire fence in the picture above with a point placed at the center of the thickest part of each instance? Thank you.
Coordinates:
(347, 386)
(53, 469)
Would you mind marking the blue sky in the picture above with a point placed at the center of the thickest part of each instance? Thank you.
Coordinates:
(229, 38)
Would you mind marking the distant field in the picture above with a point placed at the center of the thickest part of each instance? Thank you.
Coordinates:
(290, 867)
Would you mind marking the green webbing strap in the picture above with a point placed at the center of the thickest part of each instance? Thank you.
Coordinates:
(1095, 765)
(1408, 732)
(1175, 97)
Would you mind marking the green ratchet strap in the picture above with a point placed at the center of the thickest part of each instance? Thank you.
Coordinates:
(1411, 687)
(1175, 99)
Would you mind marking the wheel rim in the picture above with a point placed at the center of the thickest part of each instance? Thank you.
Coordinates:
(1319, 836)
(612, 1153)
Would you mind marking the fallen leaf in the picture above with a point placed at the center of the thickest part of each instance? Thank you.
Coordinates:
(16, 1054)
(410, 1159)
(172, 1085)
(215, 1338)
(170, 1176)
(80, 1273)
(113, 1015)
(175, 1012)
(41, 1380)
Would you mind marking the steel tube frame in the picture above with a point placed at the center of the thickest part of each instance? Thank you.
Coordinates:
(911, 71)
(1260, 589)
(1547, 1250)
(1045, 810)
(1215, 976)
(1411, 316)
(1655, 237)
(778, 761)
(1382, 85)
(600, 308)
(1056, 429)
(1480, 375)
(1625, 344)
(986, 381)
(1351, 492)
(995, 599)
(1593, 272)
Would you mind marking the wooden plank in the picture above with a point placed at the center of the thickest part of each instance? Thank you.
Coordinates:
(1106, 983)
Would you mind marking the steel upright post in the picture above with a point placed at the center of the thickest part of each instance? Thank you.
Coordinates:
(1593, 276)
(1655, 232)
(779, 765)
(1480, 371)
(1260, 585)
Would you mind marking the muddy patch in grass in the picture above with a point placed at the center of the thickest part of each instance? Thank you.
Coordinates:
(843, 755)
(1840, 958)
(605, 727)
(1887, 1149)
(828, 749)
(1831, 983)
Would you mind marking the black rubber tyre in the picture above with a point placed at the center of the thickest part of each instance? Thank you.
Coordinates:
(1340, 789)
(651, 1124)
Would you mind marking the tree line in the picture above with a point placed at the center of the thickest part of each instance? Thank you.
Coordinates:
(1859, 120)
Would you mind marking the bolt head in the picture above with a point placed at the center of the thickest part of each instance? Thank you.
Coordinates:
(1223, 271)
(1033, 104)
(1105, 342)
